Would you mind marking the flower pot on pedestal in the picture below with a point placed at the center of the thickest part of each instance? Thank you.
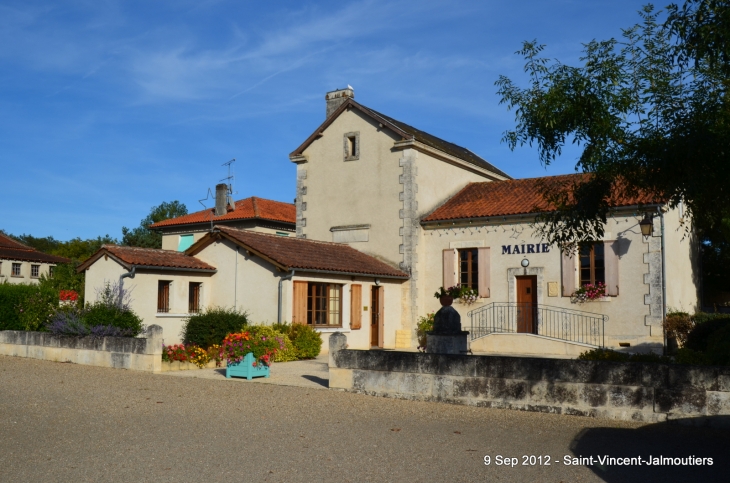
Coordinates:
(446, 300)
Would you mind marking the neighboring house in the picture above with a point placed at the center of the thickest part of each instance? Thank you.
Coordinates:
(165, 285)
(20, 263)
(386, 214)
(258, 214)
(272, 278)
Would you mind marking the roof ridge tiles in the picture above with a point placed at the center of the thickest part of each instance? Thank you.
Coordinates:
(279, 237)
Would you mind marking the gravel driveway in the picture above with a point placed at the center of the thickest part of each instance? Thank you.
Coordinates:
(65, 422)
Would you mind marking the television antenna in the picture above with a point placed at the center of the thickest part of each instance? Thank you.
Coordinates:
(229, 191)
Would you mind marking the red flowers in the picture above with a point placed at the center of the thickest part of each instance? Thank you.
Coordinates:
(68, 295)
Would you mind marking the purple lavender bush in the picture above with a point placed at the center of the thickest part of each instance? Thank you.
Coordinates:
(109, 316)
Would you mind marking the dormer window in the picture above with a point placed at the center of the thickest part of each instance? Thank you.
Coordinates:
(352, 146)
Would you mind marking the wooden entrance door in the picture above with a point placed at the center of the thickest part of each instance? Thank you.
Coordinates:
(376, 317)
(527, 304)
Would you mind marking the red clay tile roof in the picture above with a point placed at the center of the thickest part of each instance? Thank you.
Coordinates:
(302, 254)
(14, 250)
(147, 257)
(510, 197)
(7, 242)
(246, 209)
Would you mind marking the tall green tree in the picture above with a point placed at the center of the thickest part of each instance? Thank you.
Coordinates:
(142, 236)
(650, 111)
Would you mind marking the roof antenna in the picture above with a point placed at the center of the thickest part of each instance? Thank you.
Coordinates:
(229, 199)
(208, 196)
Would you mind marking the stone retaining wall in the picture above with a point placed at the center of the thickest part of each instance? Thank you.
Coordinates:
(140, 354)
(615, 390)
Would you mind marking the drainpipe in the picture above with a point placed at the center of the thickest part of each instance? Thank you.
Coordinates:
(235, 283)
(664, 281)
(281, 282)
(129, 274)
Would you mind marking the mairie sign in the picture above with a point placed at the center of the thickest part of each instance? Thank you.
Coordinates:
(525, 249)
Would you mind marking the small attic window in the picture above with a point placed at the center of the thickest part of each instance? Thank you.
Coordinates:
(352, 146)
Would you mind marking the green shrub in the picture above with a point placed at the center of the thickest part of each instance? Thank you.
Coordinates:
(11, 297)
(283, 328)
(307, 341)
(688, 356)
(718, 348)
(603, 355)
(705, 327)
(65, 278)
(212, 325)
(615, 356)
(425, 324)
(285, 355)
(108, 315)
(36, 309)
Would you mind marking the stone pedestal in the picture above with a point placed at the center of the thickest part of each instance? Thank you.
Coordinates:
(447, 344)
(447, 336)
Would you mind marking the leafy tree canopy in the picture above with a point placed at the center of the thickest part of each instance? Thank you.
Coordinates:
(651, 112)
(76, 249)
(142, 236)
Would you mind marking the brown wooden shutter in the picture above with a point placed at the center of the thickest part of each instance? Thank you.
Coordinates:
(163, 296)
(381, 318)
(449, 268)
(610, 258)
(355, 306)
(299, 304)
(484, 268)
(568, 265)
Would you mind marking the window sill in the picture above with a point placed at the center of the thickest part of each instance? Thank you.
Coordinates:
(17, 276)
(331, 329)
(168, 314)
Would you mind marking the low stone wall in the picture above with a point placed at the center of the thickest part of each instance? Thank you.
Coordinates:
(139, 354)
(189, 366)
(615, 390)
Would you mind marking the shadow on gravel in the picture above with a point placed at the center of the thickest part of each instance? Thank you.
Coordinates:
(670, 440)
(317, 380)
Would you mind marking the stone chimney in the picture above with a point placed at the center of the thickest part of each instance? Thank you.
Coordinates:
(336, 98)
(221, 194)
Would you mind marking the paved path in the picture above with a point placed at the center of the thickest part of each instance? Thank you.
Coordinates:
(71, 423)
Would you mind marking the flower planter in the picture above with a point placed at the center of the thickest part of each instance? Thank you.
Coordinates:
(245, 368)
(446, 300)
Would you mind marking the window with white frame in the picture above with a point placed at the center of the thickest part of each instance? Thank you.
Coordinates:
(35, 271)
(16, 270)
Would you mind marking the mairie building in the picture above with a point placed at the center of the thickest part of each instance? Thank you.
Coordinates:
(384, 215)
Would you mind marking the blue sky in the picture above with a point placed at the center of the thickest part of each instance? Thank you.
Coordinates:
(111, 107)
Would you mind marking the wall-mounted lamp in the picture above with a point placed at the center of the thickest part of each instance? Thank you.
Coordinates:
(377, 282)
(647, 225)
(525, 263)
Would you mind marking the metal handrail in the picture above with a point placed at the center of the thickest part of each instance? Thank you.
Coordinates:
(555, 322)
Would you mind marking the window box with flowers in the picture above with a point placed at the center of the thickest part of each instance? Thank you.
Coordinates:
(590, 293)
(249, 355)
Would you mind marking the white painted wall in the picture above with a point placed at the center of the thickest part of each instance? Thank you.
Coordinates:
(6, 271)
(627, 312)
(144, 293)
